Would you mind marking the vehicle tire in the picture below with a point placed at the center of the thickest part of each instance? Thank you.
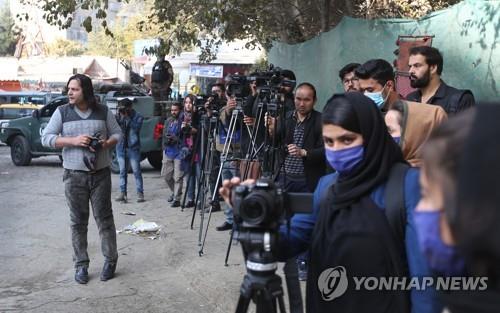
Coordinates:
(155, 159)
(20, 151)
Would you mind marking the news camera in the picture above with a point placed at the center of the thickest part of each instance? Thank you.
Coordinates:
(264, 205)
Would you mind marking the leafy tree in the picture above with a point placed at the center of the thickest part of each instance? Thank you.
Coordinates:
(206, 23)
(62, 47)
(8, 32)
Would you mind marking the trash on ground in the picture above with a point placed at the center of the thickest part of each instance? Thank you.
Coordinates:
(128, 213)
(142, 228)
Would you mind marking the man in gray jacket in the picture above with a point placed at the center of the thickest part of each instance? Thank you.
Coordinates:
(86, 131)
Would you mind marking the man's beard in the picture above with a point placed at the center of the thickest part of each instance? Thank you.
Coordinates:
(422, 81)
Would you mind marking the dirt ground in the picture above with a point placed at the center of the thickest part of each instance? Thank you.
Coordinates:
(162, 275)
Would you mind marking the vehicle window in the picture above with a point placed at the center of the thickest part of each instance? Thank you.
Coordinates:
(4, 99)
(37, 99)
(50, 108)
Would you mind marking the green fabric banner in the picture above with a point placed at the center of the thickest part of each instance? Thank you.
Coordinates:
(467, 34)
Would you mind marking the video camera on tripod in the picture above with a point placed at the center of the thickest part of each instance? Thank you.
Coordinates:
(259, 210)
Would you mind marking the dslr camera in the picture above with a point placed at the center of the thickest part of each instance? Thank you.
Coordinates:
(265, 205)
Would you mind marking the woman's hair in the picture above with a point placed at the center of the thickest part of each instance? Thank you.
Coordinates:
(310, 86)
(193, 100)
(87, 89)
(339, 111)
(441, 156)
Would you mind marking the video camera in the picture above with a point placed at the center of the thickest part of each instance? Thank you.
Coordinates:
(214, 103)
(264, 205)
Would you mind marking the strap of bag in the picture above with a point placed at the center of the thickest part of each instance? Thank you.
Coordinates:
(395, 209)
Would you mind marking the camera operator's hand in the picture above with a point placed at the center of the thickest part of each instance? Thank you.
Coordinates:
(231, 104)
(270, 123)
(248, 120)
(228, 185)
(207, 106)
(253, 88)
(296, 151)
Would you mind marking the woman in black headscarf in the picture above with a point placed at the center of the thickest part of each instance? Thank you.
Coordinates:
(348, 233)
(475, 219)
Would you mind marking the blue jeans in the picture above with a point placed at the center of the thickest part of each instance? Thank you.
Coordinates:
(134, 158)
(229, 170)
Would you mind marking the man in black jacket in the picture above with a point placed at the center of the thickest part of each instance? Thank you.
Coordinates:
(426, 66)
(304, 143)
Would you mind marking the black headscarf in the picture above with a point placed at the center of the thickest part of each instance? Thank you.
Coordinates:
(381, 153)
(477, 220)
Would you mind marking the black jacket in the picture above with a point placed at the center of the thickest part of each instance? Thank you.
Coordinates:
(314, 162)
(452, 100)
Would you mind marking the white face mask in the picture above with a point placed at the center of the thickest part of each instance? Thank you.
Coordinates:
(378, 97)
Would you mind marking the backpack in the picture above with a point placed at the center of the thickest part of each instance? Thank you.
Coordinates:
(395, 209)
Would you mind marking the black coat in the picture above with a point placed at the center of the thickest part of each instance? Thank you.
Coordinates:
(314, 162)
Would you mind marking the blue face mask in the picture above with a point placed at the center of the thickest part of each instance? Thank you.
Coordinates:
(345, 160)
(397, 140)
(442, 258)
(377, 97)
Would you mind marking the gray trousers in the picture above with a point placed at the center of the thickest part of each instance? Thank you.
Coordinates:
(80, 189)
(171, 170)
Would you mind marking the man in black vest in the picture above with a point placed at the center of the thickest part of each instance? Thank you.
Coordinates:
(426, 66)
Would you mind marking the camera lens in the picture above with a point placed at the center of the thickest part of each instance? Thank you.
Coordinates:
(255, 208)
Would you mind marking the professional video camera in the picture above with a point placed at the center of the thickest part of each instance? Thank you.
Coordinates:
(214, 103)
(259, 210)
(270, 80)
(265, 205)
(238, 86)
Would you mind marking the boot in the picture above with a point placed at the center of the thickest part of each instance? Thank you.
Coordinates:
(140, 197)
(122, 197)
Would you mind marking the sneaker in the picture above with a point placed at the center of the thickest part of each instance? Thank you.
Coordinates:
(224, 227)
(122, 197)
(108, 271)
(81, 275)
(176, 204)
(190, 204)
(140, 197)
(170, 199)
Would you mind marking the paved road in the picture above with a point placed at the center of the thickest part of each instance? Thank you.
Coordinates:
(163, 275)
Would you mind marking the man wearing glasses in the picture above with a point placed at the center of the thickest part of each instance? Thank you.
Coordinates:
(349, 80)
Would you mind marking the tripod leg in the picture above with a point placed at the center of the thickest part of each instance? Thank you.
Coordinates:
(243, 304)
(229, 247)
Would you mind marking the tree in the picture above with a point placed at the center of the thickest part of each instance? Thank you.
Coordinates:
(8, 32)
(206, 23)
(62, 48)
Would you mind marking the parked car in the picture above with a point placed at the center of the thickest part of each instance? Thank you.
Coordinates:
(23, 135)
(25, 97)
(11, 111)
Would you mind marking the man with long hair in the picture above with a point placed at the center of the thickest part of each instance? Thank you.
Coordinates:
(86, 130)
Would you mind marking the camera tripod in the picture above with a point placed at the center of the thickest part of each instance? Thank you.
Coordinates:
(260, 284)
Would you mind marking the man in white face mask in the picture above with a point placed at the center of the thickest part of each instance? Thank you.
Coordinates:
(377, 82)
